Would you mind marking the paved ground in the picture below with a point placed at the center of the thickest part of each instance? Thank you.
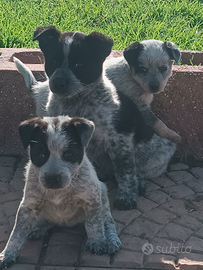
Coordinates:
(164, 232)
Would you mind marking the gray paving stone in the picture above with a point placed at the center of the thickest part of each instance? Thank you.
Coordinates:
(188, 221)
(179, 167)
(159, 215)
(125, 217)
(6, 174)
(128, 259)
(20, 266)
(4, 233)
(63, 238)
(175, 232)
(199, 233)
(157, 196)
(197, 172)
(163, 181)
(143, 228)
(88, 259)
(66, 255)
(7, 161)
(10, 208)
(11, 196)
(176, 207)
(195, 244)
(144, 204)
(196, 185)
(4, 188)
(59, 268)
(165, 246)
(130, 242)
(150, 185)
(180, 177)
(30, 252)
(119, 227)
(179, 191)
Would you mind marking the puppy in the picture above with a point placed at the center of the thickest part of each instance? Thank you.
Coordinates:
(77, 87)
(143, 71)
(61, 187)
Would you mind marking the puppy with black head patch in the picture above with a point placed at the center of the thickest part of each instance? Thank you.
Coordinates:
(78, 87)
(142, 72)
(61, 187)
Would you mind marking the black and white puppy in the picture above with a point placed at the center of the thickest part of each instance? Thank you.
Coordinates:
(78, 87)
(61, 187)
(142, 71)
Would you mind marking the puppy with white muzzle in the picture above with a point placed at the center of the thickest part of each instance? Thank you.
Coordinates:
(61, 187)
(142, 72)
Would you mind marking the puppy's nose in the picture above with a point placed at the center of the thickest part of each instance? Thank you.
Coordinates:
(53, 181)
(59, 85)
(154, 87)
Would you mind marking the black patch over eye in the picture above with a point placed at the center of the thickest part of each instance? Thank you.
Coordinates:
(142, 70)
(39, 153)
(74, 153)
(163, 68)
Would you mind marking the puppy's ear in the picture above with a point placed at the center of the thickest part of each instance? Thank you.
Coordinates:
(83, 127)
(50, 42)
(132, 52)
(46, 34)
(49, 38)
(27, 128)
(172, 50)
(99, 44)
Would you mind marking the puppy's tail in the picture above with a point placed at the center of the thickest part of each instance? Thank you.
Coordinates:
(26, 73)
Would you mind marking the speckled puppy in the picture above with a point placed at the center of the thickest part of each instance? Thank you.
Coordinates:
(142, 72)
(61, 187)
(78, 87)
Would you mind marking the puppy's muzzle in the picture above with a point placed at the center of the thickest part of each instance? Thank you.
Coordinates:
(59, 85)
(53, 181)
(154, 87)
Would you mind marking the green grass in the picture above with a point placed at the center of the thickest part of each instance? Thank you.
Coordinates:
(180, 21)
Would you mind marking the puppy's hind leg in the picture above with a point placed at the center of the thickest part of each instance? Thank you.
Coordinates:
(23, 225)
(113, 241)
(40, 229)
(153, 156)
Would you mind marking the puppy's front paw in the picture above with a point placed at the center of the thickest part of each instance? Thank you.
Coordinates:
(114, 245)
(125, 201)
(97, 247)
(6, 260)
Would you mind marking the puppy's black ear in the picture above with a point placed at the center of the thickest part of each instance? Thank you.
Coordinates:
(50, 42)
(99, 44)
(27, 128)
(84, 129)
(132, 52)
(46, 33)
(172, 50)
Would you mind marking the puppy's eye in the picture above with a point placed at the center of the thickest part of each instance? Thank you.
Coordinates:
(78, 65)
(38, 148)
(142, 70)
(163, 68)
(68, 154)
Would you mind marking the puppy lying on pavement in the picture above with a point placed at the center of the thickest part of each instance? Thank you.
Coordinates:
(143, 71)
(61, 187)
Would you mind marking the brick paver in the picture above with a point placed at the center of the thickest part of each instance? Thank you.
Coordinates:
(164, 232)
